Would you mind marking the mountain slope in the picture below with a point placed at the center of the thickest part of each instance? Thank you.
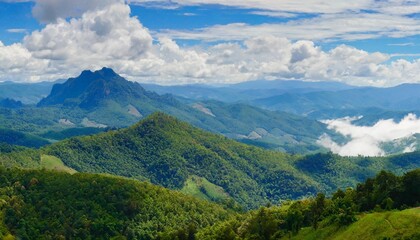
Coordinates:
(91, 89)
(54, 205)
(380, 225)
(167, 152)
(17, 138)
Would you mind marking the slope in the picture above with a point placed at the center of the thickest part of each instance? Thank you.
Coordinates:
(167, 152)
(54, 205)
(380, 225)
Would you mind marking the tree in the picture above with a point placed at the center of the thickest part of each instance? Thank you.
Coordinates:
(317, 208)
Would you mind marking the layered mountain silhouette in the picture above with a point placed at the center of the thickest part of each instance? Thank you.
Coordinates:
(91, 89)
(105, 99)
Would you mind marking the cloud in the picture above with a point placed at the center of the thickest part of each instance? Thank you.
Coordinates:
(306, 6)
(47, 11)
(367, 140)
(345, 26)
(109, 36)
(402, 44)
(17, 30)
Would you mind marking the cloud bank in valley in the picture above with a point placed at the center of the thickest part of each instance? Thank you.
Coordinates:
(366, 140)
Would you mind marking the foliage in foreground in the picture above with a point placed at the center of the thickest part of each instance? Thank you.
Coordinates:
(321, 216)
(40, 204)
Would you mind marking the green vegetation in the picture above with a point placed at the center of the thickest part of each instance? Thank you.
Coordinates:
(55, 205)
(201, 188)
(379, 225)
(170, 153)
(17, 138)
(167, 152)
(53, 163)
(345, 215)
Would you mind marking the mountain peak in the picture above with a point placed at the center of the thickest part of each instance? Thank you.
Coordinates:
(106, 72)
(91, 89)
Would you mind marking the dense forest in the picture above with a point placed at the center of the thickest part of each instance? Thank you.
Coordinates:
(41, 204)
(168, 152)
(385, 192)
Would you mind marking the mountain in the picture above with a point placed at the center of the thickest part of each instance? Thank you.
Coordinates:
(167, 152)
(27, 93)
(245, 91)
(22, 139)
(10, 103)
(40, 204)
(103, 99)
(404, 97)
(91, 89)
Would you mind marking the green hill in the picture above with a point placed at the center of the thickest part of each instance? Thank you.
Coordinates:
(374, 226)
(171, 153)
(22, 139)
(370, 211)
(167, 152)
(55, 205)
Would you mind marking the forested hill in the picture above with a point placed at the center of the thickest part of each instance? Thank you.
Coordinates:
(55, 205)
(173, 154)
(166, 151)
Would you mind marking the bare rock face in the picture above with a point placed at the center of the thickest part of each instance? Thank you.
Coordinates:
(134, 111)
(65, 122)
(203, 109)
(88, 123)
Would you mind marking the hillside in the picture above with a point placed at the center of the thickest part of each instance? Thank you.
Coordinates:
(375, 226)
(52, 205)
(372, 210)
(167, 152)
(17, 138)
(171, 153)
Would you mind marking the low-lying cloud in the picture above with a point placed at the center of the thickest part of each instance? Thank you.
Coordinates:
(367, 140)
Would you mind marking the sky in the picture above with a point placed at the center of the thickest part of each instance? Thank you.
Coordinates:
(358, 42)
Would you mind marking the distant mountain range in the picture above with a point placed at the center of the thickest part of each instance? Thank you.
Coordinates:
(27, 93)
(317, 100)
(103, 99)
(246, 91)
(280, 115)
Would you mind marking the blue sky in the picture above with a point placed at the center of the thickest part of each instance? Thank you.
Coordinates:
(382, 33)
(19, 16)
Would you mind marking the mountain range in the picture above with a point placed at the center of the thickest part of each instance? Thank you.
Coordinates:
(103, 99)
(108, 148)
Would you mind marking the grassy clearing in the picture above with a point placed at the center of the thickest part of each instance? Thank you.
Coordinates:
(201, 188)
(54, 163)
(383, 225)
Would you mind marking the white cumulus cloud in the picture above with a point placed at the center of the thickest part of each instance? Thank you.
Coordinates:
(109, 36)
(366, 140)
